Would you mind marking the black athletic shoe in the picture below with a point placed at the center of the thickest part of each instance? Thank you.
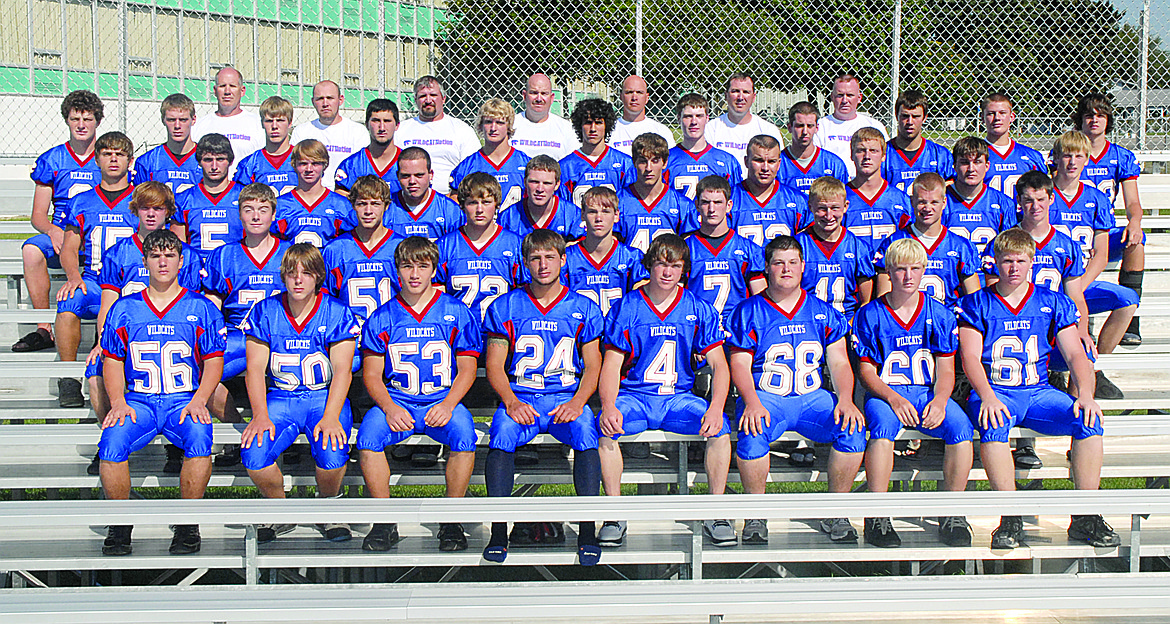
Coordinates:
(1009, 534)
(95, 466)
(1106, 389)
(537, 533)
(186, 540)
(880, 532)
(265, 533)
(69, 393)
(1131, 339)
(229, 456)
(174, 463)
(382, 537)
(1093, 530)
(954, 531)
(117, 542)
(38, 340)
(1026, 459)
(452, 537)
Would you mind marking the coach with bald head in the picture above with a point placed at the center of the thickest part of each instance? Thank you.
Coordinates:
(340, 136)
(634, 122)
(242, 128)
(539, 131)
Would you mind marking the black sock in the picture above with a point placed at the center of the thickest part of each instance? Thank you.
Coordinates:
(587, 482)
(500, 475)
(1133, 281)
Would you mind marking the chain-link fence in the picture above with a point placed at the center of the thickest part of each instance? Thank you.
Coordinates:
(1044, 53)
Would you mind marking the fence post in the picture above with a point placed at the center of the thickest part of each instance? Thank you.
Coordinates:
(638, 38)
(895, 63)
(123, 79)
(1143, 103)
(381, 49)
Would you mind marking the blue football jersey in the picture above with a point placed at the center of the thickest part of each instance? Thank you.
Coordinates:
(614, 170)
(606, 281)
(660, 346)
(298, 354)
(949, 261)
(509, 173)
(1005, 169)
(1081, 216)
(241, 280)
(563, 217)
(980, 219)
(102, 223)
(361, 164)
(684, 169)
(1017, 342)
(900, 169)
(1107, 171)
(478, 275)
(832, 271)
(124, 268)
(1058, 258)
(362, 278)
(434, 218)
(823, 163)
(875, 218)
(904, 352)
(160, 165)
(720, 271)
(420, 348)
(69, 175)
(211, 220)
(275, 171)
(325, 220)
(545, 342)
(787, 347)
(782, 213)
(163, 350)
(638, 223)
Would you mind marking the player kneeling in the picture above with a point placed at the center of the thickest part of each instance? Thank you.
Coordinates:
(778, 339)
(544, 339)
(300, 359)
(419, 356)
(1007, 332)
(163, 358)
(652, 336)
(906, 342)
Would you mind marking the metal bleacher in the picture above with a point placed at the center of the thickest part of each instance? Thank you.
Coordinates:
(49, 545)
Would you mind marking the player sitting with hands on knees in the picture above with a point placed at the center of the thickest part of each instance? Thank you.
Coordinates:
(1007, 332)
(300, 359)
(906, 342)
(163, 358)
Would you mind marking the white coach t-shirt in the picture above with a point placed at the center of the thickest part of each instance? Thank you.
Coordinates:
(733, 138)
(554, 136)
(447, 140)
(341, 139)
(624, 133)
(834, 135)
(243, 131)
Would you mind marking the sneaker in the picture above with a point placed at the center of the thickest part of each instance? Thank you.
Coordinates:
(382, 537)
(229, 456)
(954, 531)
(880, 532)
(452, 537)
(612, 533)
(755, 532)
(1106, 389)
(803, 456)
(265, 533)
(335, 532)
(636, 450)
(839, 529)
(95, 466)
(1009, 534)
(1094, 530)
(1131, 339)
(537, 533)
(69, 393)
(174, 464)
(720, 532)
(186, 540)
(117, 542)
(1026, 459)
(425, 455)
